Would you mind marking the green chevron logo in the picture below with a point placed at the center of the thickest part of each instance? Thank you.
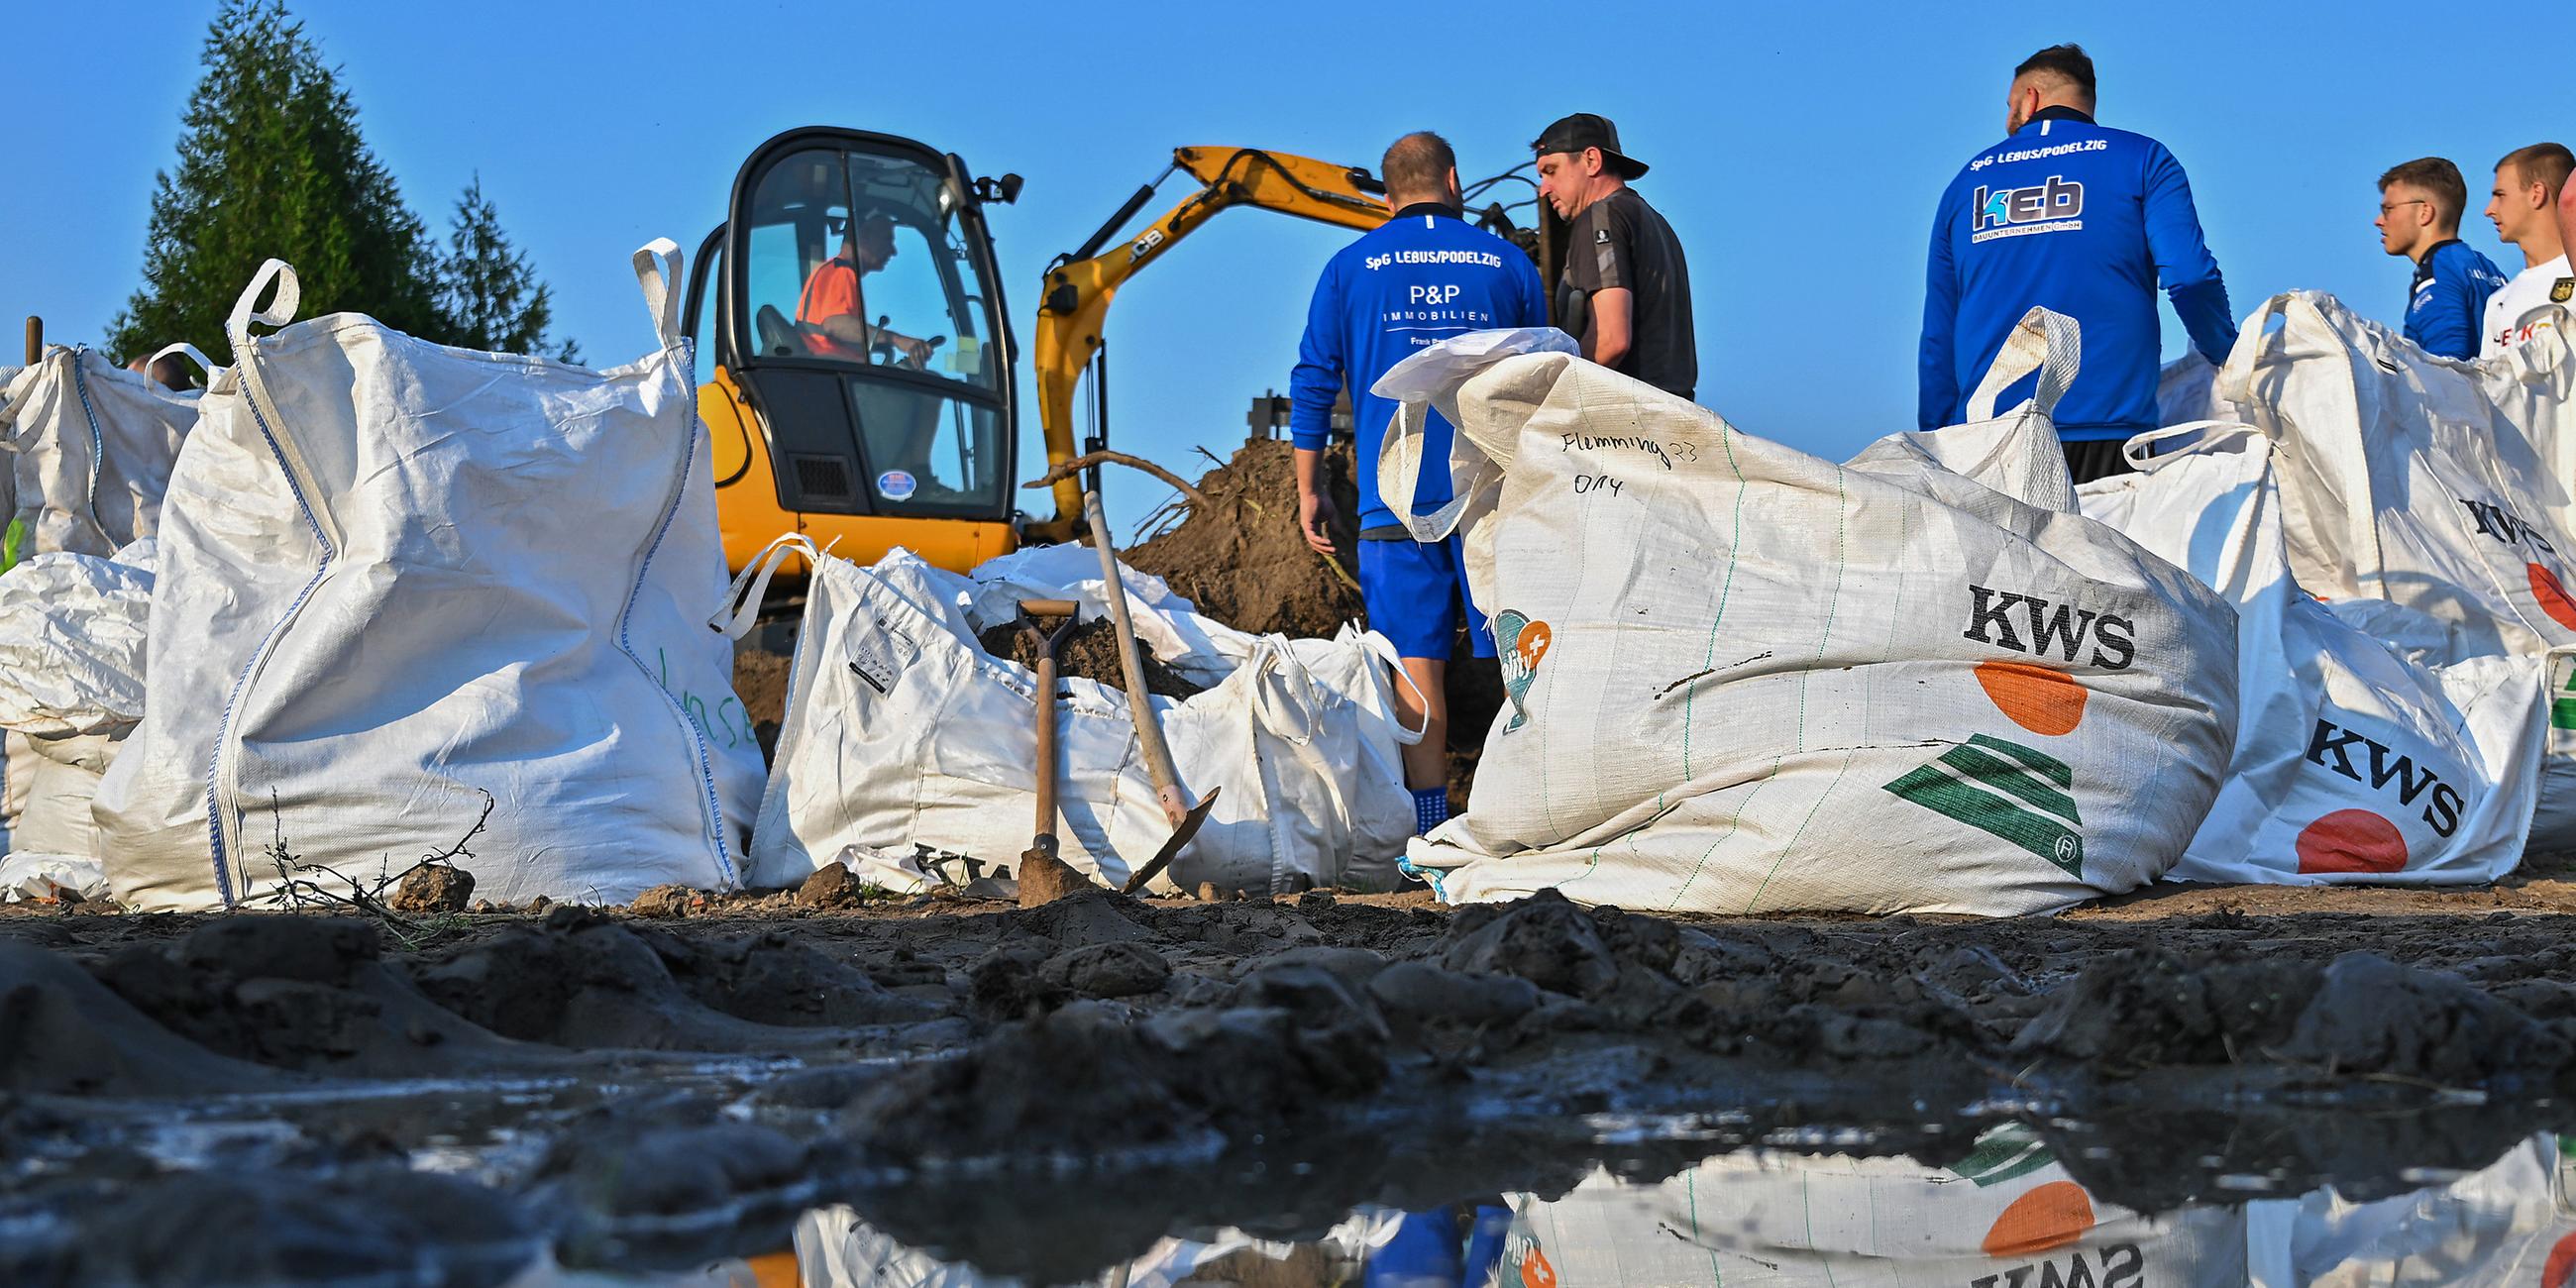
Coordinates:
(2006, 790)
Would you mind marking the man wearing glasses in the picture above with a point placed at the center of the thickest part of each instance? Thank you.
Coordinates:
(2420, 203)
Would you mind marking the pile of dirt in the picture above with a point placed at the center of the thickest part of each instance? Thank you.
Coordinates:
(1090, 652)
(1241, 560)
(760, 680)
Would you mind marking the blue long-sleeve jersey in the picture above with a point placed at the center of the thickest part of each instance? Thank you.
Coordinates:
(1419, 278)
(2083, 220)
(2448, 300)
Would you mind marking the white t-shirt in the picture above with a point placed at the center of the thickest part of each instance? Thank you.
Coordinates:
(2535, 287)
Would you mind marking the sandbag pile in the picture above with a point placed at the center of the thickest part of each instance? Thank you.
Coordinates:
(909, 752)
(1743, 679)
(91, 450)
(2426, 501)
(399, 584)
(72, 631)
(2353, 761)
(92, 447)
(2401, 479)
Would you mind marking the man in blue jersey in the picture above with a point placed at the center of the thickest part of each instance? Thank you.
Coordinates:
(1420, 278)
(2420, 203)
(2080, 219)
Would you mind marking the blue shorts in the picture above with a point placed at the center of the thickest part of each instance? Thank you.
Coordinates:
(1415, 593)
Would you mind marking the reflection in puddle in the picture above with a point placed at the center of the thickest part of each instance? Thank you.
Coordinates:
(2006, 1216)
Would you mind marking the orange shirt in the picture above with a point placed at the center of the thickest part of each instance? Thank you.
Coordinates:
(833, 291)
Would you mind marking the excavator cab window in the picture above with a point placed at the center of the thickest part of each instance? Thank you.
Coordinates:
(863, 273)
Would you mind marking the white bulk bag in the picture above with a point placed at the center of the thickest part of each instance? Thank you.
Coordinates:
(61, 784)
(910, 752)
(71, 686)
(2006, 1216)
(72, 641)
(2400, 479)
(2353, 763)
(2533, 387)
(2506, 1225)
(94, 447)
(1743, 679)
(396, 578)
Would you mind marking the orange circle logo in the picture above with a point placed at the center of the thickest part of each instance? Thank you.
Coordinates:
(2038, 699)
(2552, 595)
(2351, 840)
(1536, 1273)
(2050, 1216)
(2554, 1272)
(1533, 643)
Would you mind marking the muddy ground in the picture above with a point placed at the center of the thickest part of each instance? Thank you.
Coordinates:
(1042, 1091)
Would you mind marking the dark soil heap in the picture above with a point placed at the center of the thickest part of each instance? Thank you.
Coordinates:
(760, 680)
(1090, 651)
(1241, 559)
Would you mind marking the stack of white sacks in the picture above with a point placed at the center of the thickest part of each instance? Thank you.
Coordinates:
(376, 630)
(909, 753)
(2317, 638)
(1735, 644)
(92, 446)
(2402, 524)
(281, 640)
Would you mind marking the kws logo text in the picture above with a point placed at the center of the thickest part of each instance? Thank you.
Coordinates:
(2059, 629)
(2442, 811)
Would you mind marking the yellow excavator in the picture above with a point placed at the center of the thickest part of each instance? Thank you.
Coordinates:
(1080, 286)
(835, 409)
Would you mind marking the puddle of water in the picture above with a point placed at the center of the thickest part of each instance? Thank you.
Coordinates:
(1758, 1192)
(2008, 1216)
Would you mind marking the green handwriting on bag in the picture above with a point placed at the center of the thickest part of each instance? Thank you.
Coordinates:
(697, 708)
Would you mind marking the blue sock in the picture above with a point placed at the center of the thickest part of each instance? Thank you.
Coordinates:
(1430, 808)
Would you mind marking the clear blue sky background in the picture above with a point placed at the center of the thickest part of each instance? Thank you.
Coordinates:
(1799, 150)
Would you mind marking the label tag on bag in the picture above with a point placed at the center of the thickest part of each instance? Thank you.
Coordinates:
(879, 654)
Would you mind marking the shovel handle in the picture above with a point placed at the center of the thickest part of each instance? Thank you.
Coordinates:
(1047, 646)
(1046, 743)
(1140, 705)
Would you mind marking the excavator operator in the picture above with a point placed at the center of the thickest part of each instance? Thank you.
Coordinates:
(830, 314)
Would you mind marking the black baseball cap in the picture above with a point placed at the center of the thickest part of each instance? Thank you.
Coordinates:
(1586, 130)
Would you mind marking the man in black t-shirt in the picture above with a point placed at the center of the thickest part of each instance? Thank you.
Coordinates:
(1626, 290)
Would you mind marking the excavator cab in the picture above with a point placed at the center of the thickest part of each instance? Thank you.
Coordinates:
(855, 362)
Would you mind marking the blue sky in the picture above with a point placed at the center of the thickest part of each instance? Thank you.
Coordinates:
(1799, 151)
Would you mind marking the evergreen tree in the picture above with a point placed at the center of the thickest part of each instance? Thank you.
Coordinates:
(489, 292)
(271, 165)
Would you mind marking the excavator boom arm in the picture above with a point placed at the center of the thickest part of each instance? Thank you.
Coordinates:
(1075, 304)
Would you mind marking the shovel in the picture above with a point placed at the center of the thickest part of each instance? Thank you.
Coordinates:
(1044, 877)
(1184, 817)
